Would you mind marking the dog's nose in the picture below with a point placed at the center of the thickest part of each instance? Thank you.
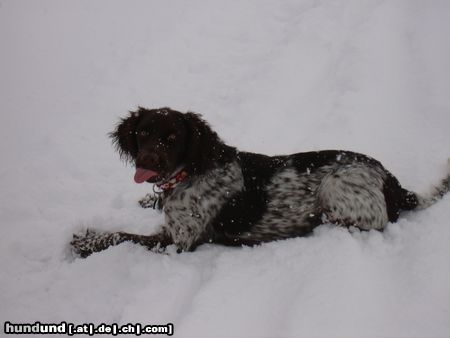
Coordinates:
(147, 161)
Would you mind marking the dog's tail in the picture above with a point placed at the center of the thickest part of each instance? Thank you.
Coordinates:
(412, 200)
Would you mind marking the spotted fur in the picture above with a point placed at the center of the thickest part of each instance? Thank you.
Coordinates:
(192, 206)
(240, 198)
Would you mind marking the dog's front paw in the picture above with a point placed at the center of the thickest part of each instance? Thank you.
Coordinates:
(92, 241)
(149, 201)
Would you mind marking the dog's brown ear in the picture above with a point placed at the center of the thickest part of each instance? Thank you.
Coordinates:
(204, 148)
(124, 137)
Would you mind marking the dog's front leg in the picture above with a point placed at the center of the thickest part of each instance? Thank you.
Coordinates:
(160, 240)
(94, 241)
(153, 201)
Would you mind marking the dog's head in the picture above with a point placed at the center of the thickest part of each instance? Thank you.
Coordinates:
(161, 141)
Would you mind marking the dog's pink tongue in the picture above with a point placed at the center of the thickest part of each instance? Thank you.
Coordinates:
(143, 175)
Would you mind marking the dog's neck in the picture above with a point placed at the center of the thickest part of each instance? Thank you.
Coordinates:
(170, 184)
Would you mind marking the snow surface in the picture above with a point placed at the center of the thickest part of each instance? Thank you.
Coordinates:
(271, 77)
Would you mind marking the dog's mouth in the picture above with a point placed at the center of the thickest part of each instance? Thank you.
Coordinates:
(146, 175)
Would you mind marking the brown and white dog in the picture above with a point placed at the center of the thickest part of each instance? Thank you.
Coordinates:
(213, 193)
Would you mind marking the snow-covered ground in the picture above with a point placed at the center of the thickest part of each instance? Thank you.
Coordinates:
(270, 76)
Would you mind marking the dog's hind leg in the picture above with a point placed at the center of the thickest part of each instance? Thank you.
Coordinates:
(353, 196)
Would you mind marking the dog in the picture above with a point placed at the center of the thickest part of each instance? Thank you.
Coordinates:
(212, 193)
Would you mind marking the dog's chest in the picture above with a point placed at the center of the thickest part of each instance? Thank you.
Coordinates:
(192, 206)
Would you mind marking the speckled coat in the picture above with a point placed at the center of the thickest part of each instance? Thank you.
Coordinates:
(258, 198)
(241, 198)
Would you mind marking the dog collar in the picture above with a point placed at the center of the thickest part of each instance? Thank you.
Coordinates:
(172, 182)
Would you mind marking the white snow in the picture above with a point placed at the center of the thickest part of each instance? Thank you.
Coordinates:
(270, 76)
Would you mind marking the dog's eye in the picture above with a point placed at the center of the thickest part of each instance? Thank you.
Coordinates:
(143, 133)
(171, 137)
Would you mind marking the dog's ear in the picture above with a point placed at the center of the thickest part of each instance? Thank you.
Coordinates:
(124, 137)
(204, 147)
